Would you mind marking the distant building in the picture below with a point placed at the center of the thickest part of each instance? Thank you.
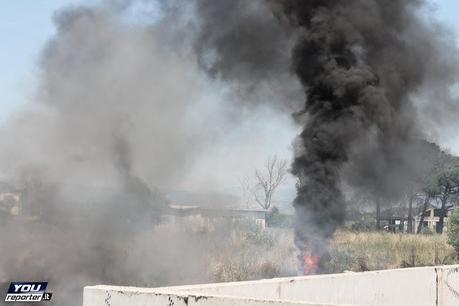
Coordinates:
(432, 219)
(394, 219)
(196, 218)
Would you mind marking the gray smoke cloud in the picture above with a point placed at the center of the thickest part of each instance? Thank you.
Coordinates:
(246, 45)
(119, 114)
(104, 84)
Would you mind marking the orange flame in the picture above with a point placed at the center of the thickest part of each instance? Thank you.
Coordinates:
(310, 261)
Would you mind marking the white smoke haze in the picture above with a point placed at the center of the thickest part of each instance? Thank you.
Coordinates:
(101, 82)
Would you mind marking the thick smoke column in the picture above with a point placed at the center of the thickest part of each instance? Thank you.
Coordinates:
(359, 62)
(366, 68)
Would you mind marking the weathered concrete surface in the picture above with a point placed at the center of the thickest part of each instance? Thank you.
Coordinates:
(131, 296)
(427, 286)
(448, 286)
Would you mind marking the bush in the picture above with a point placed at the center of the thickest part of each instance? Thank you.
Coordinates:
(259, 238)
(453, 230)
(362, 226)
(426, 231)
(277, 219)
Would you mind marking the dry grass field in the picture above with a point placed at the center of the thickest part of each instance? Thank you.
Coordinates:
(271, 253)
(375, 251)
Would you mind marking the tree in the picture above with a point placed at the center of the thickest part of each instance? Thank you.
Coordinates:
(453, 230)
(443, 184)
(268, 180)
(425, 206)
(277, 219)
(418, 190)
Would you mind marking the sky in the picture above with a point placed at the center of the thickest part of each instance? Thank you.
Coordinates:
(26, 26)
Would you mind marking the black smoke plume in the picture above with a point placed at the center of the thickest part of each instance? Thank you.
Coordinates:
(360, 63)
(366, 68)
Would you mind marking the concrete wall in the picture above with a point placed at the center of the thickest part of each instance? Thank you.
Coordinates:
(448, 286)
(427, 286)
(130, 296)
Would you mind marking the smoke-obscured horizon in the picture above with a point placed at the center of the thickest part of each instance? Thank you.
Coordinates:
(122, 112)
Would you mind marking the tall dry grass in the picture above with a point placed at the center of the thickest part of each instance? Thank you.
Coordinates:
(254, 254)
(376, 251)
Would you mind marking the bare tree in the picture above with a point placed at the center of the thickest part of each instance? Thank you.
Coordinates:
(268, 180)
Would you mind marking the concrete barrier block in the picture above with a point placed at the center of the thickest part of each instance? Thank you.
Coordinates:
(448, 286)
(426, 286)
(129, 296)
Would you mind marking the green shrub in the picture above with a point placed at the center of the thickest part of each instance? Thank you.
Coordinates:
(453, 230)
(341, 260)
(259, 238)
(362, 226)
(426, 231)
(277, 219)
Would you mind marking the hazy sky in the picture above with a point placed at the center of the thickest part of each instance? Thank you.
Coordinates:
(26, 25)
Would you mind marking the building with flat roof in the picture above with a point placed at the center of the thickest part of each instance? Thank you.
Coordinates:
(431, 218)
